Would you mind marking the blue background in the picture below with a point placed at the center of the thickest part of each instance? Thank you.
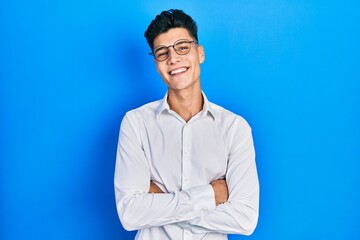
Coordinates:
(70, 70)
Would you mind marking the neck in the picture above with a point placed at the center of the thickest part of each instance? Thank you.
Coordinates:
(186, 103)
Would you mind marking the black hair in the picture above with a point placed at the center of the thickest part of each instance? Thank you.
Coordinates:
(166, 20)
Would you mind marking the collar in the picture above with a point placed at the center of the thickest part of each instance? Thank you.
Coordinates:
(207, 107)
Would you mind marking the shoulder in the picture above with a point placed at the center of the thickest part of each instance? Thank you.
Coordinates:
(148, 109)
(228, 118)
(139, 116)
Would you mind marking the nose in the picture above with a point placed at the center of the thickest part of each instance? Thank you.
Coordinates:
(173, 56)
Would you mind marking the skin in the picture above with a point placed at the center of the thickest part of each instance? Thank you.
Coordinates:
(219, 187)
(184, 89)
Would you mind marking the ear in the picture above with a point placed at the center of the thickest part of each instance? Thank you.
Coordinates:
(201, 53)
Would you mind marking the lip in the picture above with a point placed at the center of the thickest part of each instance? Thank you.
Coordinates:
(180, 70)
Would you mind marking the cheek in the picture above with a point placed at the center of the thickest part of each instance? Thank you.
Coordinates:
(162, 72)
(159, 69)
(198, 59)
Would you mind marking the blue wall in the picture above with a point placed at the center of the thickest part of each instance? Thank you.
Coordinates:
(69, 71)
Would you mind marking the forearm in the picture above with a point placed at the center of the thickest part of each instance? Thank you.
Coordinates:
(232, 217)
(143, 210)
(239, 215)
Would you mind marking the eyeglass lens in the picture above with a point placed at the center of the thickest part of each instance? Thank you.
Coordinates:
(181, 47)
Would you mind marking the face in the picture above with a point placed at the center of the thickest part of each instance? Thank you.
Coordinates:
(179, 72)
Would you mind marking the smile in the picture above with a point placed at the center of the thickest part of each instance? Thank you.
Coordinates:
(178, 71)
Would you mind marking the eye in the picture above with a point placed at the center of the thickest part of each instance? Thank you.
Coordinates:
(182, 47)
(160, 49)
(161, 52)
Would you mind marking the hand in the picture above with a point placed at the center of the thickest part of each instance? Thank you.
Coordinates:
(154, 188)
(220, 190)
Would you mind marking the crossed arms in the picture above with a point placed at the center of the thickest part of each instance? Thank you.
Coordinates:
(219, 186)
(223, 206)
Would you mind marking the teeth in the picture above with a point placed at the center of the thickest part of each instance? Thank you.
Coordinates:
(178, 71)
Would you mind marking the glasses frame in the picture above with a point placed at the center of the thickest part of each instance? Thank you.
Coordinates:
(173, 46)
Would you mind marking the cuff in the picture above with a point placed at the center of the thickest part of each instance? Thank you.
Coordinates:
(203, 198)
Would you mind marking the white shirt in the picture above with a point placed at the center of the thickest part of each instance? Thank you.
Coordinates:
(182, 158)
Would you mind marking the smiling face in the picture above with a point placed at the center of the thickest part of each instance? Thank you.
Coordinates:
(179, 72)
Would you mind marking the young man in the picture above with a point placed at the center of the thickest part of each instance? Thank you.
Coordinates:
(185, 167)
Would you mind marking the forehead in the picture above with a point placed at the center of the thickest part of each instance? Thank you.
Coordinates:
(171, 36)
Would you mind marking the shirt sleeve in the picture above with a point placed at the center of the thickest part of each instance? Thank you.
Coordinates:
(137, 208)
(239, 215)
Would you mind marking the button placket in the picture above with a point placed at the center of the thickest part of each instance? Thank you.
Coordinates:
(186, 156)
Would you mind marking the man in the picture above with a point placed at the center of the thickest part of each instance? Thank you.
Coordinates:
(185, 167)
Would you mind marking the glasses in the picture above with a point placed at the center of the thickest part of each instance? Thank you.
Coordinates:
(181, 47)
